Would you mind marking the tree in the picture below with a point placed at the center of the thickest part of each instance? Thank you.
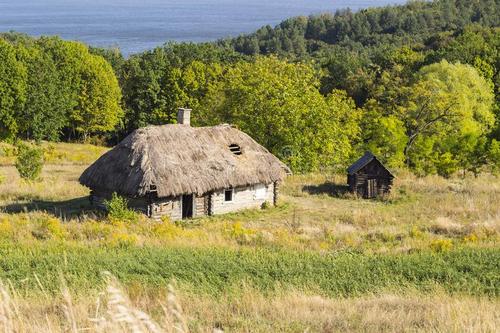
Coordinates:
(383, 135)
(29, 161)
(43, 115)
(196, 81)
(447, 104)
(280, 106)
(98, 108)
(158, 82)
(69, 59)
(12, 90)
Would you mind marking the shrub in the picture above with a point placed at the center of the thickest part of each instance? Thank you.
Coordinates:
(29, 161)
(441, 245)
(415, 232)
(472, 238)
(118, 209)
(93, 230)
(51, 154)
(8, 151)
(6, 229)
(265, 205)
(2, 179)
(239, 233)
(166, 230)
(122, 239)
(49, 228)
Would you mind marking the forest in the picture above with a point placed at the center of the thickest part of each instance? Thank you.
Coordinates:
(417, 84)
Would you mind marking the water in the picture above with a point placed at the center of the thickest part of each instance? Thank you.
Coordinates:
(137, 25)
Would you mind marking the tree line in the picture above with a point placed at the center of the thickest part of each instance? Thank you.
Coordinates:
(416, 84)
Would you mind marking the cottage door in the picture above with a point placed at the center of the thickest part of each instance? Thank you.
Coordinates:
(187, 206)
(371, 190)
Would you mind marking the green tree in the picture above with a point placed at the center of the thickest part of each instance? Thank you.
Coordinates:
(29, 161)
(68, 58)
(196, 80)
(447, 105)
(151, 89)
(279, 104)
(98, 108)
(12, 90)
(383, 135)
(158, 82)
(43, 115)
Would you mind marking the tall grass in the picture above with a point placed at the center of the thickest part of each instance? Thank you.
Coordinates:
(113, 308)
(114, 312)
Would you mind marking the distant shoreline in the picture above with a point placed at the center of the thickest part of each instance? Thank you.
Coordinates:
(137, 28)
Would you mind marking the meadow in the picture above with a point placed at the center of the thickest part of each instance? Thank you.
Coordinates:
(425, 258)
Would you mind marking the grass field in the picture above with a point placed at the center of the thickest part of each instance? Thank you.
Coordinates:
(426, 258)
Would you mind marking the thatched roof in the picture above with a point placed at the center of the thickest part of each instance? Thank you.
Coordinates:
(180, 159)
(363, 161)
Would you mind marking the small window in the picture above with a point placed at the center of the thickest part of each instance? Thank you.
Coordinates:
(235, 149)
(228, 195)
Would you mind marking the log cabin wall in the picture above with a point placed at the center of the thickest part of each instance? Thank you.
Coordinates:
(372, 180)
(243, 198)
(171, 207)
(203, 205)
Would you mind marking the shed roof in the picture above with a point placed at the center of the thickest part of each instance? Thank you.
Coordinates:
(178, 159)
(363, 161)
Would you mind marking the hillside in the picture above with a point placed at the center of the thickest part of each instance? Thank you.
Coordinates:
(411, 24)
(429, 249)
(391, 80)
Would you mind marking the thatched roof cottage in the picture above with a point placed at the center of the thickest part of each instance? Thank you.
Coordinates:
(183, 171)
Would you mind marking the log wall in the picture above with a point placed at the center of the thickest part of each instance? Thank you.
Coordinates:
(243, 198)
(209, 204)
(374, 171)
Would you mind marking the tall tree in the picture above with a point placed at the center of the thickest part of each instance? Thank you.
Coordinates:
(447, 104)
(44, 113)
(12, 90)
(98, 108)
(279, 104)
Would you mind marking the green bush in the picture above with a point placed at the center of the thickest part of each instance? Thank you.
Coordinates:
(118, 209)
(29, 161)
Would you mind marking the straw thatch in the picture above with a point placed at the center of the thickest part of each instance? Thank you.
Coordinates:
(177, 159)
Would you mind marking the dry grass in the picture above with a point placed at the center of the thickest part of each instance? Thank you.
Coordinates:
(58, 153)
(59, 183)
(112, 310)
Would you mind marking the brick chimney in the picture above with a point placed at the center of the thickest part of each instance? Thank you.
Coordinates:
(184, 116)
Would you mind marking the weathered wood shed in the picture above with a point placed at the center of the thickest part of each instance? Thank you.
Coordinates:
(183, 171)
(368, 177)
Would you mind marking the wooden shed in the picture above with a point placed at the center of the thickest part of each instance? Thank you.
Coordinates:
(368, 177)
(183, 171)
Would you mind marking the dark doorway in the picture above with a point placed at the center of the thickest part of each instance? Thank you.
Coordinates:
(187, 206)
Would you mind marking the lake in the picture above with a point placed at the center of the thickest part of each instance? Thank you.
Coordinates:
(135, 26)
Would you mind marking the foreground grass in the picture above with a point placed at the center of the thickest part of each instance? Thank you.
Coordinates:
(110, 310)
